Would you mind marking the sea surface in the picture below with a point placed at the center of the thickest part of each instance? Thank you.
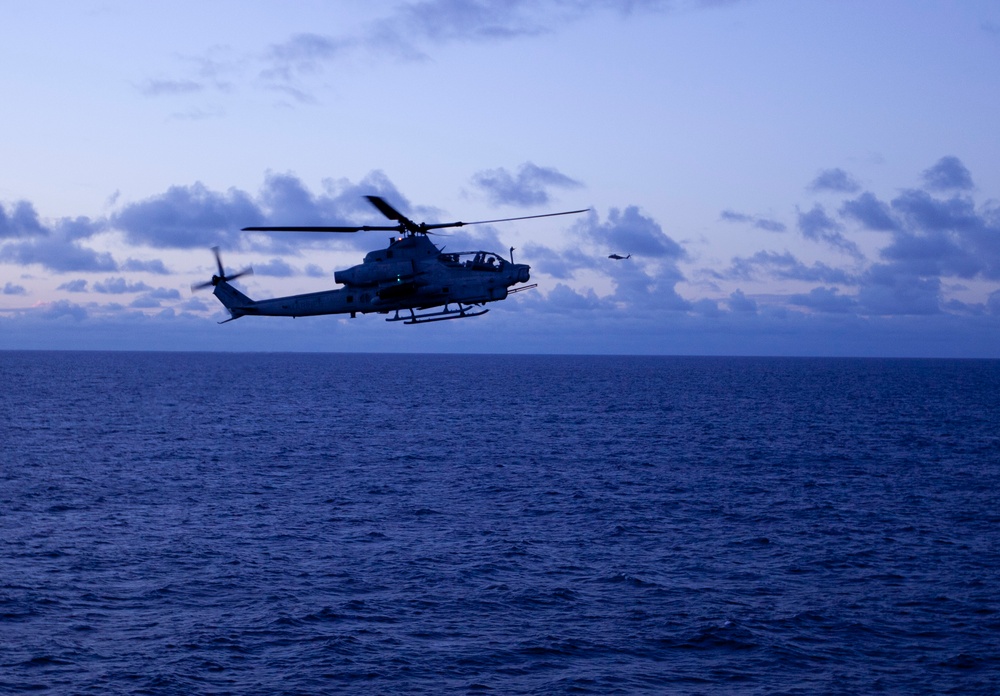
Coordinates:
(201, 523)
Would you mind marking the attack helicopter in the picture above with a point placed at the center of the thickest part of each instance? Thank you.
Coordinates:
(413, 278)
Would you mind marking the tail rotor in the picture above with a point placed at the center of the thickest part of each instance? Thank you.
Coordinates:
(221, 277)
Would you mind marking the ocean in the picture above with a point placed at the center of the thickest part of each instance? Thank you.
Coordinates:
(227, 523)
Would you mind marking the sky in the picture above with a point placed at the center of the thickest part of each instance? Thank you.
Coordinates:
(790, 177)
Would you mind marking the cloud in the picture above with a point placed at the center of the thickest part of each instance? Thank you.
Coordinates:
(528, 188)
(835, 180)
(993, 303)
(188, 217)
(57, 246)
(154, 297)
(78, 285)
(924, 212)
(886, 291)
(195, 216)
(870, 212)
(301, 54)
(629, 231)
(944, 237)
(824, 300)
(275, 267)
(818, 226)
(705, 307)
(60, 309)
(159, 87)
(22, 221)
(758, 222)
(58, 254)
(947, 174)
(408, 31)
(11, 289)
(566, 298)
(558, 264)
(785, 267)
(136, 266)
(738, 302)
(118, 286)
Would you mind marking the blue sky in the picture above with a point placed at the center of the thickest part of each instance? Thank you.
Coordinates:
(791, 178)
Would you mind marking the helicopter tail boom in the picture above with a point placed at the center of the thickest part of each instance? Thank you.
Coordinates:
(235, 301)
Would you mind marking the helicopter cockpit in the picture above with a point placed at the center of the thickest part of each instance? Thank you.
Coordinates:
(474, 260)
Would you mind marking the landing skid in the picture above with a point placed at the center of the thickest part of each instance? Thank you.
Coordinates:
(445, 314)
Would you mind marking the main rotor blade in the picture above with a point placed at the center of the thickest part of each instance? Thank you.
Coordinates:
(388, 210)
(437, 226)
(359, 228)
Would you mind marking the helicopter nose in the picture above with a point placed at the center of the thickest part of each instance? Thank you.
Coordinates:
(522, 274)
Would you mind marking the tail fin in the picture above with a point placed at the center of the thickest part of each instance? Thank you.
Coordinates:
(235, 301)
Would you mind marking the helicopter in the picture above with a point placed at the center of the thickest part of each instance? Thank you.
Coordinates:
(412, 278)
(619, 257)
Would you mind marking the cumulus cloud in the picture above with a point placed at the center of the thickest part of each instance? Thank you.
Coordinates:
(872, 213)
(195, 216)
(78, 285)
(945, 238)
(824, 299)
(188, 217)
(784, 266)
(154, 298)
(275, 267)
(818, 226)
(739, 302)
(567, 298)
(529, 187)
(118, 286)
(886, 291)
(58, 254)
(629, 231)
(21, 221)
(558, 264)
(993, 303)
(62, 309)
(935, 232)
(835, 180)
(11, 289)
(56, 246)
(136, 266)
(649, 281)
(948, 174)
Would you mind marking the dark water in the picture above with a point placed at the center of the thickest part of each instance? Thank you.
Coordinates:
(305, 524)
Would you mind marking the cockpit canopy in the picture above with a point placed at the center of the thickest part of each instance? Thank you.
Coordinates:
(474, 260)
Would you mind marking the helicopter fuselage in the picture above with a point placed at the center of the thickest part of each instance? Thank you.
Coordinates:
(412, 273)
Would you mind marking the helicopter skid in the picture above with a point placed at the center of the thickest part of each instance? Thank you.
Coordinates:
(445, 314)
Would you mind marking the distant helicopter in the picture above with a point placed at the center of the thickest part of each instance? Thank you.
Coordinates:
(616, 257)
(412, 275)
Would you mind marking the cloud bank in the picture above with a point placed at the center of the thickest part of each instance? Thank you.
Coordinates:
(936, 246)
